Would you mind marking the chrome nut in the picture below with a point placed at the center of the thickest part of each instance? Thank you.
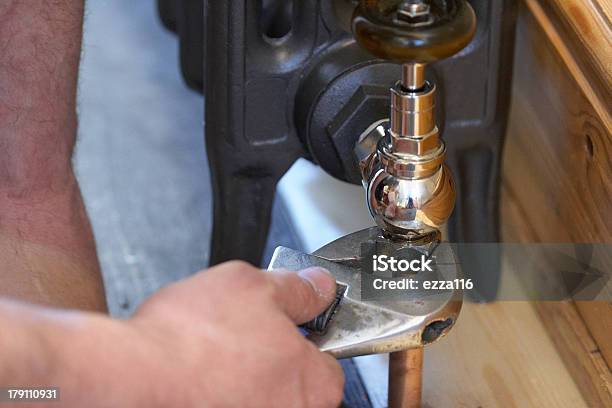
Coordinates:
(410, 208)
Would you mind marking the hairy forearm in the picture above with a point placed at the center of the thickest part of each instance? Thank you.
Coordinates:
(47, 252)
(40, 45)
(93, 360)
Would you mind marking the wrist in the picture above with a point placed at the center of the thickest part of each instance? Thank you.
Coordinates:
(125, 366)
(35, 348)
(90, 358)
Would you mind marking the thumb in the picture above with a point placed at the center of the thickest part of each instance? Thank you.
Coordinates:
(304, 295)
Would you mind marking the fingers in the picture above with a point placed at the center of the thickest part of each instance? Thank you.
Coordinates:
(304, 295)
(301, 296)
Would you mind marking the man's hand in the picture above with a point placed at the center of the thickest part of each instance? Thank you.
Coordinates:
(223, 338)
(233, 332)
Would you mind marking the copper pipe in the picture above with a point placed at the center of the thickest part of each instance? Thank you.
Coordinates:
(405, 378)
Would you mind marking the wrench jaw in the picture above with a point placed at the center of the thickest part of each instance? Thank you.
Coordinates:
(377, 332)
(360, 327)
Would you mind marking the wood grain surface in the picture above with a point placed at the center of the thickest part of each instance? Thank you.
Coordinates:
(582, 357)
(580, 33)
(557, 177)
(498, 355)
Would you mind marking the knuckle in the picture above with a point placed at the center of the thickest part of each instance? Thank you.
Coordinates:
(246, 277)
(238, 266)
(241, 271)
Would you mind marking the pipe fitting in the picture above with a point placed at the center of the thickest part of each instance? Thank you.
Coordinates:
(410, 192)
(409, 196)
(412, 112)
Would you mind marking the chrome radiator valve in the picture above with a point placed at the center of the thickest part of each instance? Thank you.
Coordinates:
(409, 191)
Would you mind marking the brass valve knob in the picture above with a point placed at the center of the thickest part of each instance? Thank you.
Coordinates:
(414, 31)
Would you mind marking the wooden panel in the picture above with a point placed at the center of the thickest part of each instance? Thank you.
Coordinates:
(557, 178)
(581, 354)
(606, 8)
(499, 355)
(558, 159)
(598, 318)
(576, 347)
(580, 32)
(588, 36)
(587, 24)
